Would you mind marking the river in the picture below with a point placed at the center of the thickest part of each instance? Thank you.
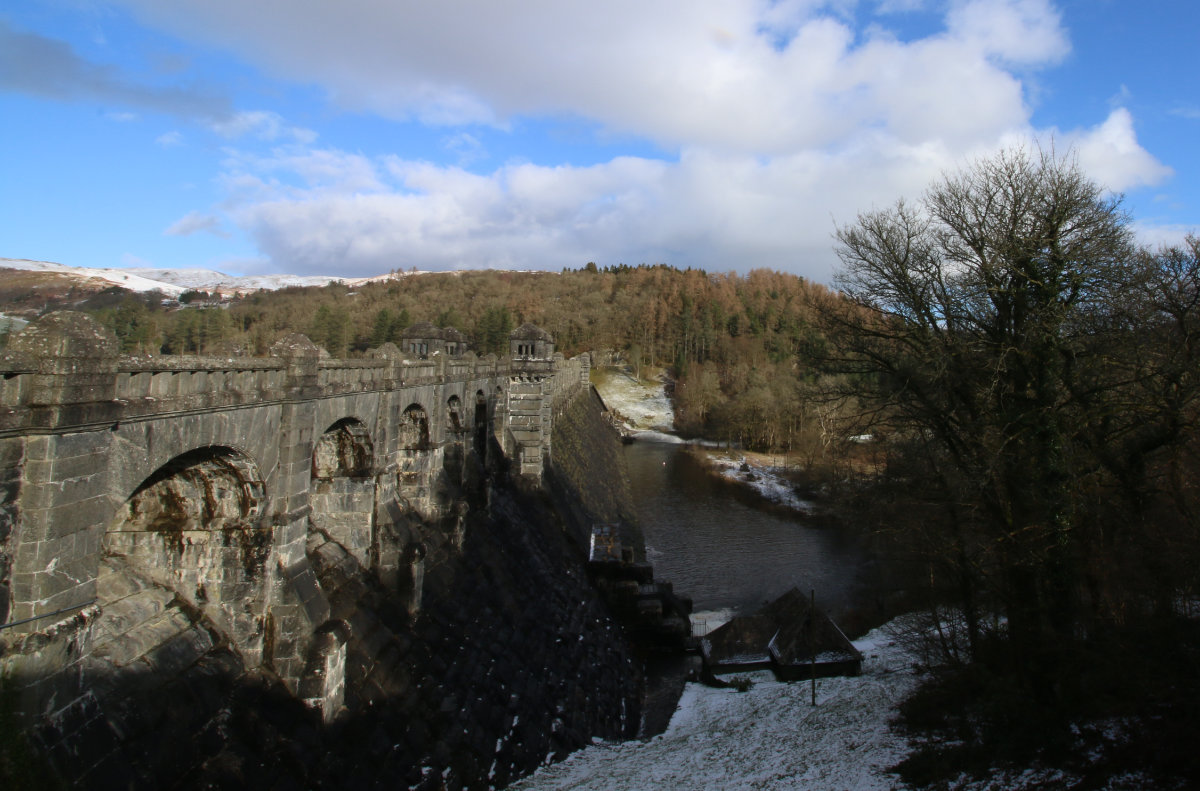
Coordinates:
(726, 552)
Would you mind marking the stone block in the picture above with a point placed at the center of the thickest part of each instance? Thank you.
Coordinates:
(92, 444)
(179, 652)
(70, 594)
(64, 467)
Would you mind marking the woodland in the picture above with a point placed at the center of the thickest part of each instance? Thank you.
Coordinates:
(737, 348)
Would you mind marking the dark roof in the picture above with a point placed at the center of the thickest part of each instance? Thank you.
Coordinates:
(453, 335)
(787, 630)
(422, 329)
(741, 641)
(805, 634)
(530, 332)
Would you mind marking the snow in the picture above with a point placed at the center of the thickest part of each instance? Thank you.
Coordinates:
(769, 737)
(767, 481)
(174, 282)
(118, 277)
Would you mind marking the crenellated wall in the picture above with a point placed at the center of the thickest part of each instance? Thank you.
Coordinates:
(165, 512)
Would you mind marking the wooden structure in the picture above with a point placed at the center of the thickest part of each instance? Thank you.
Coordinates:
(787, 636)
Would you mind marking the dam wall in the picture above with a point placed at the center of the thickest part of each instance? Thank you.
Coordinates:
(298, 571)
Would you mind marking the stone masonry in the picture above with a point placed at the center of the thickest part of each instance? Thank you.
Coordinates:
(189, 515)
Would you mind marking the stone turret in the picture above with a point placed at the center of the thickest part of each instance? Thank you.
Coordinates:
(530, 342)
(423, 339)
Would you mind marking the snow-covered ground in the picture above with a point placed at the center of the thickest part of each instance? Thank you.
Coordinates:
(767, 481)
(769, 737)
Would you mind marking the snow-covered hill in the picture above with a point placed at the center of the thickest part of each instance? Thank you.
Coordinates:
(125, 278)
(173, 282)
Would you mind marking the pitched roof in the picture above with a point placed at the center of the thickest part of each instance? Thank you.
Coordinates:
(787, 631)
(422, 329)
(530, 332)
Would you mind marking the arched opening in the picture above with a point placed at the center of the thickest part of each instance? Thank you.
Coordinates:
(481, 423)
(342, 491)
(418, 464)
(414, 429)
(187, 539)
(205, 489)
(343, 451)
(454, 452)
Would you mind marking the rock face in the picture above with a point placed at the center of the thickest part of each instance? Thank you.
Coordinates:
(302, 572)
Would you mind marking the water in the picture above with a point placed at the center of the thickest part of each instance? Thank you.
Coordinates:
(726, 552)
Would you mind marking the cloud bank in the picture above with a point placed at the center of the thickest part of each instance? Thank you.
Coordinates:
(778, 119)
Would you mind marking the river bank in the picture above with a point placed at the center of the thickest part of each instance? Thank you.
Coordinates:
(772, 737)
(644, 411)
(767, 476)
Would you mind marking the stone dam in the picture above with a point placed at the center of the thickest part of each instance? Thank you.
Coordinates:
(305, 572)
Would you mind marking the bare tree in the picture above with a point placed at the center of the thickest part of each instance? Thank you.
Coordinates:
(998, 327)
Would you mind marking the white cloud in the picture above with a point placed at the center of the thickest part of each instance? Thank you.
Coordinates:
(170, 139)
(332, 212)
(746, 75)
(717, 211)
(782, 118)
(1158, 236)
(1111, 154)
(196, 222)
(1016, 31)
(252, 176)
(467, 147)
(261, 124)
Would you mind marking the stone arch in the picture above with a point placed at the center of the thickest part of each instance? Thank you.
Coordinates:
(203, 489)
(413, 434)
(344, 451)
(454, 415)
(341, 496)
(418, 463)
(191, 535)
(454, 451)
(480, 422)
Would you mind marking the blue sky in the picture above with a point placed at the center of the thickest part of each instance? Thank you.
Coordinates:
(357, 137)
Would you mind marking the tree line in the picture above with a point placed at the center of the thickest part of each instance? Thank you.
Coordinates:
(734, 345)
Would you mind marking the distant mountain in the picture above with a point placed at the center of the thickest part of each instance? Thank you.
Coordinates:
(212, 281)
(174, 282)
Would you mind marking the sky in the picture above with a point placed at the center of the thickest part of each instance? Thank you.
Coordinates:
(365, 136)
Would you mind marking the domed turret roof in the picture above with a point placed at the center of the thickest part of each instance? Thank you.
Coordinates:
(530, 332)
(422, 329)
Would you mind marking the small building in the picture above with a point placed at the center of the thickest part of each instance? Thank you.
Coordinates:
(530, 342)
(455, 343)
(788, 636)
(423, 340)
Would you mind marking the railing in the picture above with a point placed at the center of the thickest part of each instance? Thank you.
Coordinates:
(37, 386)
